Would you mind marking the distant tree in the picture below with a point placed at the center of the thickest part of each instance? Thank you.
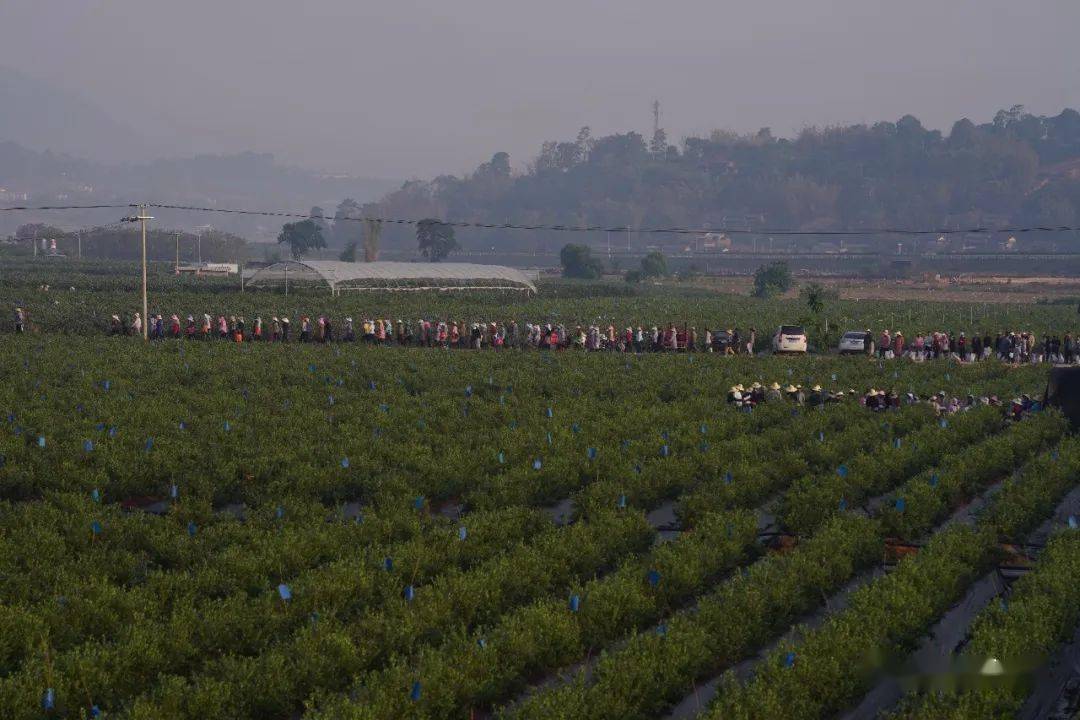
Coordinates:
(319, 216)
(347, 226)
(815, 295)
(578, 262)
(772, 279)
(372, 233)
(632, 276)
(302, 237)
(654, 265)
(435, 239)
(349, 253)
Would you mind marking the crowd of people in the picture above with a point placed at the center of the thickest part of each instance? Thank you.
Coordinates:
(1020, 347)
(1014, 347)
(877, 400)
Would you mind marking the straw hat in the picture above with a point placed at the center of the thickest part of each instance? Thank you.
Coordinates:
(775, 386)
(816, 388)
(791, 389)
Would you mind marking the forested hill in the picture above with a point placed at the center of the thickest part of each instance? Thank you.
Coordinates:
(1017, 169)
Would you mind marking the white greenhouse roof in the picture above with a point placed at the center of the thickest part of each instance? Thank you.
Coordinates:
(340, 275)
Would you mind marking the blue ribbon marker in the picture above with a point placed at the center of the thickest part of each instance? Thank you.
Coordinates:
(789, 660)
(843, 504)
(41, 441)
(1072, 522)
(591, 452)
(95, 495)
(537, 464)
(279, 512)
(112, 431)
(653, 577)
(345, 463)
(409, 593)
(388, 564)
(621, 502)
(502, 457)
(88, 446)
(661, 629)
(414, 693)
(934, 480)
(95, 527)
(481, 642)
(901, 504)
(191, 529)
(468, 391)
(550, 413)
(284, 591)
(48, 700)
(462, 533)
(575, 603)
(665, 451)
(842, 471)
(418, 502)
(174, 491)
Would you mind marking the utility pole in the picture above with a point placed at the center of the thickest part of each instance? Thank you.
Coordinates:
(141, 218)
(78, 236)
(177, 253)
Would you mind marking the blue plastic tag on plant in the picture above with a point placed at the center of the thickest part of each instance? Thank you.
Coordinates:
(549, 439)
(409, 593)
(386, 408)
(834, 377)
(48, 699)
(284, 592)
(371, 385)
(481, 643)
(174, 491)
(948, 376)
(661, 629)
(821, 436)
(329, 399)
(88, 446)
(468, 391)
(728, 477)
(665, 451)
(896, 443)
(418, 502)
(621, 502)
(112, 431)
(279, 512)
(790, 372)
(653, 577)
(41, 441)
(311, 368)
(149, 444)
(665, 435)
(537, 464)
(95, 495)
(575, 603)
(502, 457)
(843, 504)
(934, 480)
(183, 425)
(703, 446)
(462, 533)
(550, 413)
(95, 527)
(95, 711)
(789, 660)
(943, 423)
(1072, 522)
(591, 452)
(414, 693)
(704, 428)
(901, 504)
(1003, 604)
(575, 428)
(345, 463)
(388, 564)
(192, 529)
(842, 471)
(1054, 455)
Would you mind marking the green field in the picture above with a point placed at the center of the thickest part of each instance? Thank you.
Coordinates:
(212, 530)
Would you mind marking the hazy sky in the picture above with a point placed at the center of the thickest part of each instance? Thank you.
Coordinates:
(406, 88)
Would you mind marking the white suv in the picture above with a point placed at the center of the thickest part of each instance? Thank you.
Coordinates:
(789, 339)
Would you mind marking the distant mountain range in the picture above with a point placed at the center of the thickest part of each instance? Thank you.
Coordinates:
(57, 148)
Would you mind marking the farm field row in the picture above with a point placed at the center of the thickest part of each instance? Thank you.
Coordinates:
(209, 531)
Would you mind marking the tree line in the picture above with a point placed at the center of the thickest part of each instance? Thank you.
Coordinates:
(1018, 169)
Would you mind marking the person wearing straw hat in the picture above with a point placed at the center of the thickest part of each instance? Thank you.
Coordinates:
(20, 320)
(774, 392)
(817, 396)
(757, 393)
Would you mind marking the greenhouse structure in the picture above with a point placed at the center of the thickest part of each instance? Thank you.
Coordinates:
(339, 276)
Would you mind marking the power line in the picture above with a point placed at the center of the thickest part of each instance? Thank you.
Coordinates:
(66, 207)
(778, 232)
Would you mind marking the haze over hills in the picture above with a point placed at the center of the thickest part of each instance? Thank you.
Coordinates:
(41, 116)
